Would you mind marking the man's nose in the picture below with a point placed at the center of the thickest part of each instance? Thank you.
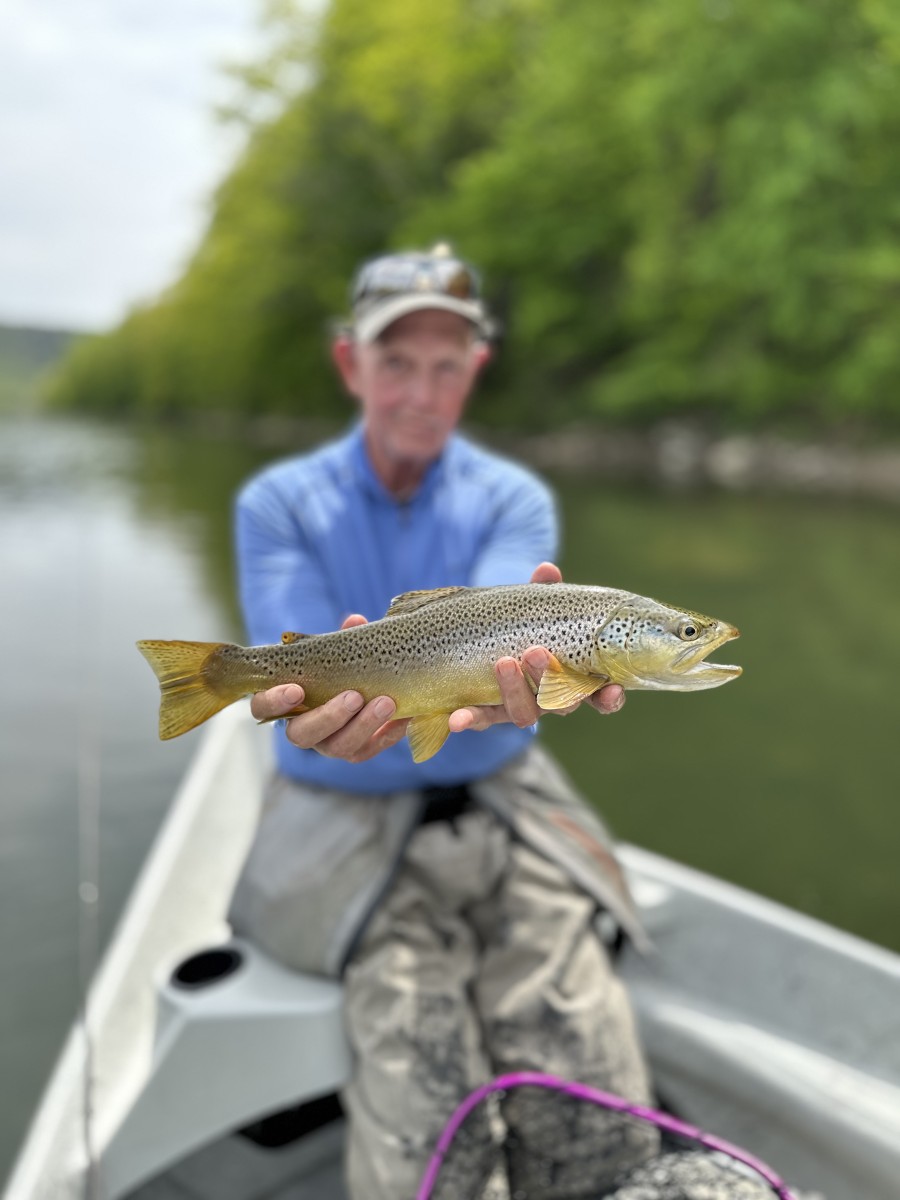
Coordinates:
(422, 390)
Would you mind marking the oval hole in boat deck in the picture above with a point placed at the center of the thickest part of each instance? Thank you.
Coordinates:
(209, 966)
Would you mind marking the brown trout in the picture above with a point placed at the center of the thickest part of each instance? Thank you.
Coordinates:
(434, 652)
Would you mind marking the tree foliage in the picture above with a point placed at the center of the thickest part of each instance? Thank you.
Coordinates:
(682, 205)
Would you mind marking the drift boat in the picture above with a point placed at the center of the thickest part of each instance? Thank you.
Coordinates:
(205, 1070)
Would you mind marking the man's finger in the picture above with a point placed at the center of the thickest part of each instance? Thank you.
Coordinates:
(517, 695)
(309, 728)
(535, 661)
(609, 699)
(342, 727)
(353, 619)
(546, 572)
(385, 737)
(476, 717)
(277, 701)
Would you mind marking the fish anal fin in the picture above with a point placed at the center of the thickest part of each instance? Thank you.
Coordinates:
(427, 734)
(288, 638)
(562, 686)
(410, 601)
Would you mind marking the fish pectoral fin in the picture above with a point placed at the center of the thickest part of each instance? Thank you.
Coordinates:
(410, 601)
(562, 686)
(427, 734)
(288, 638)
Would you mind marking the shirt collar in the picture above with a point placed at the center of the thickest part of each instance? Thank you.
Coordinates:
(370, 481)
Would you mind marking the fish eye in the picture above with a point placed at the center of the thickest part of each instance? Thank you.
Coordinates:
(688, 630)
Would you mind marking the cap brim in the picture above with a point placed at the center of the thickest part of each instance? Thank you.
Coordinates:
(373, 323)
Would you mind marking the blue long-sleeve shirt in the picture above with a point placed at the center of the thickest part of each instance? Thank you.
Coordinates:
(319, 537)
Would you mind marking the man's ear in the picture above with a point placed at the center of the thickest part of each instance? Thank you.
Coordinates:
(484, 352)
(343, 355)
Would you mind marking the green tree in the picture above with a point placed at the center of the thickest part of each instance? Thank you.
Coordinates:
(694, 206)
(680, 206)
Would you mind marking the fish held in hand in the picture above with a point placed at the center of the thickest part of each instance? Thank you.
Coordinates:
(434, 652)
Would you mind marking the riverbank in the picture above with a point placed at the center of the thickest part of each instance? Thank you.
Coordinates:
(685, 455)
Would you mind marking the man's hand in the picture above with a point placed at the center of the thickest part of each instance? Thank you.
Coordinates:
(344, 727)
(519, 703)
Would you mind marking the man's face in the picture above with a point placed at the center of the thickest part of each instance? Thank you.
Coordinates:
(413, 384)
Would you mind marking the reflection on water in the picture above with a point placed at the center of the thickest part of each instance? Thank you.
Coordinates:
(784, 781)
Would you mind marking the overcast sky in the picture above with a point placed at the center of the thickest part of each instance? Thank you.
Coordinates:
(109, 148)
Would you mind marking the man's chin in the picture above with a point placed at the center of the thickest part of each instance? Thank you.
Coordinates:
(422, 446)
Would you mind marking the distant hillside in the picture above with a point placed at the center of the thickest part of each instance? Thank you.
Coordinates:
(25, 356)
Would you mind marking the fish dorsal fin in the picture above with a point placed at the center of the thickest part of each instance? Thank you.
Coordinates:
(562, 686)
(427, 734)
(287, 638)
(410, 601)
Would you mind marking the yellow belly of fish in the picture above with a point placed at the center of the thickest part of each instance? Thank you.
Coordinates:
(426, 697)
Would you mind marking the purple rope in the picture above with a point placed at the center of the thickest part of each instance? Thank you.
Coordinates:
(581, 1091)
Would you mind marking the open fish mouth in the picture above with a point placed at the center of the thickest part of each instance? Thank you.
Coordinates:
(691, 663)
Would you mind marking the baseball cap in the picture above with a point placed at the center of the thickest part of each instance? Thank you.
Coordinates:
(389, 287)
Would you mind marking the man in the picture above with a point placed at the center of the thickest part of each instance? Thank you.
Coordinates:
(458, 898)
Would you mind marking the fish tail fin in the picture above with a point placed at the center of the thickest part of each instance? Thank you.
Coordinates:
(188, 697)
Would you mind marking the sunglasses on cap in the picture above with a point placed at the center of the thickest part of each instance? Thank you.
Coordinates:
(437, 272)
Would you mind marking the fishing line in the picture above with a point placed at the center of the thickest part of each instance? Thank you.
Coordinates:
(88, 896)
(88, 925)
(582, 1091)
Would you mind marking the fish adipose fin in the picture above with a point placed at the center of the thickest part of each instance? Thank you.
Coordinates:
(563, 686)
(427, 734)
(186, 697)
(410, 601)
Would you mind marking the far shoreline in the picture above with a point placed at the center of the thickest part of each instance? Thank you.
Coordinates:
(685, 453)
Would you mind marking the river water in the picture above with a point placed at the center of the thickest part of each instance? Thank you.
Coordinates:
(785, 781)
